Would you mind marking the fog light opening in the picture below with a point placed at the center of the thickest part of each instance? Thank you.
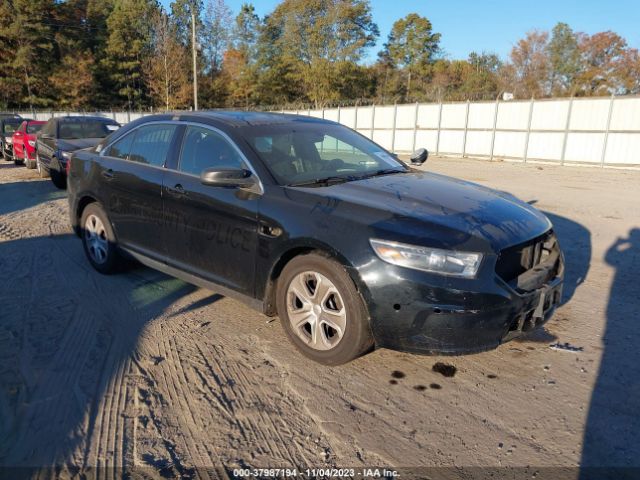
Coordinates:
(397, 307)
(437, 310)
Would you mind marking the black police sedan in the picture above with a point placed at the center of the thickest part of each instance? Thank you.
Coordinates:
(309, 220)
(63, 135)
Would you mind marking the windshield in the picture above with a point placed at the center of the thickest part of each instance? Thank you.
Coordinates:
(299, 154)
(86, 129)
(11, 126)
(34, 127)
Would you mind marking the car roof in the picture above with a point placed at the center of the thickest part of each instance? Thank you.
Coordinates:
(15, 120)
(76, 118)
(242, 118)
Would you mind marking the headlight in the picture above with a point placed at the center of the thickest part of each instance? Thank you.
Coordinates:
(32, 143)
(435, 260)
(66, 155)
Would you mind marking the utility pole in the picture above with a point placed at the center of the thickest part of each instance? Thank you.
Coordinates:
(194, 52)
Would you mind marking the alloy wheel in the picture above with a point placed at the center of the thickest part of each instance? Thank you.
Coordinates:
(95, 237)
(316, 310)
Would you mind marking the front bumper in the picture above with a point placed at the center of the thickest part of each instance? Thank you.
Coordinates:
(423, 313)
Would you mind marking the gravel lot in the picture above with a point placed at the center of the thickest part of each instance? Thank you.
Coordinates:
(140, 370)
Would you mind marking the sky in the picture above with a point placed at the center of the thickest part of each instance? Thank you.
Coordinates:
(494, 25)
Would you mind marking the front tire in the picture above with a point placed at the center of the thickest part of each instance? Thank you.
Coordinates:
(98, 240)
(30, 164)
(322, 311)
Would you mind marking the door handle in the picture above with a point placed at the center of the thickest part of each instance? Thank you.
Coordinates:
(108, 174)
(267, 230)
(177, 191)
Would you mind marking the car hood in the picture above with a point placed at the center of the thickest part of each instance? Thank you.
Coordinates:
(77, 143)
(436, 210)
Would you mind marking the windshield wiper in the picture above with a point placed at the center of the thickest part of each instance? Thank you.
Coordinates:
(324, 182)
(384, 171)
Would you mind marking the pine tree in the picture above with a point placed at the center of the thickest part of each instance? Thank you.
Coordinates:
(26, 46)
(74, 81)
(128, 45)
(315, 36)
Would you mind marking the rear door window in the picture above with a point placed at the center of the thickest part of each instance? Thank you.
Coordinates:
(151, 144)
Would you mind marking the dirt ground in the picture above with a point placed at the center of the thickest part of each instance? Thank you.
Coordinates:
(143, 371)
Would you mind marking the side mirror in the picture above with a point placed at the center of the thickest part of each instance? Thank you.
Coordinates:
(419, 156)
(227, 177)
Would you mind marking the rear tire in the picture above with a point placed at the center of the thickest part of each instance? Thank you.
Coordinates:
(322, 311)
(30, 164)
(18, 161)
(41, 170)
(99, 241)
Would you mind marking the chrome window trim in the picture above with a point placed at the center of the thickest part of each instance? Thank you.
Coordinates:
(186, 123)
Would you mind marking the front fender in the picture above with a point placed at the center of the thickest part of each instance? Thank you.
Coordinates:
(290, 249)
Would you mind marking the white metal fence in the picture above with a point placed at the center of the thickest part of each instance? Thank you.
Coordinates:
(120, 117)
(595, 131)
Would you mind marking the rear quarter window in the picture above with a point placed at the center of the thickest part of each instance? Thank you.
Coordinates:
(122, 147)
(151, 144)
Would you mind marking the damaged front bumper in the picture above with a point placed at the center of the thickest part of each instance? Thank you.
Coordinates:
(423, 313)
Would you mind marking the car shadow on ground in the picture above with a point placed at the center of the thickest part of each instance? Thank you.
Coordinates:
(611, 444)
(575, 240)
(67, 336)
(22, 195)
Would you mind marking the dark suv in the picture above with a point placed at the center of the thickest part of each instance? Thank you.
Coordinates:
(309, 220)
(63, 135)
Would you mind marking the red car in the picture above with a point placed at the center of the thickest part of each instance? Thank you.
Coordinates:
(24, 142)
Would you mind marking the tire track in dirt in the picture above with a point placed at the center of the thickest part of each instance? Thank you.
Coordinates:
(253, 410)
(8, 233)
(109, 433)
(63, 366)
(175, 385)
(114, 431)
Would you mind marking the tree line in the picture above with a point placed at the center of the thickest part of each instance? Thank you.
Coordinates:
(134, 54)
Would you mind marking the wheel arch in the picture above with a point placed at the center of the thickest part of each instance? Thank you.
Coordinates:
(84, 201)
(303, 248)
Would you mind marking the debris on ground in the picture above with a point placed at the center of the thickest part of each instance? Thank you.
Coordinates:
(444, 369)
(566, 347)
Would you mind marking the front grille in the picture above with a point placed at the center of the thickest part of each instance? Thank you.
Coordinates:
(516, 265)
